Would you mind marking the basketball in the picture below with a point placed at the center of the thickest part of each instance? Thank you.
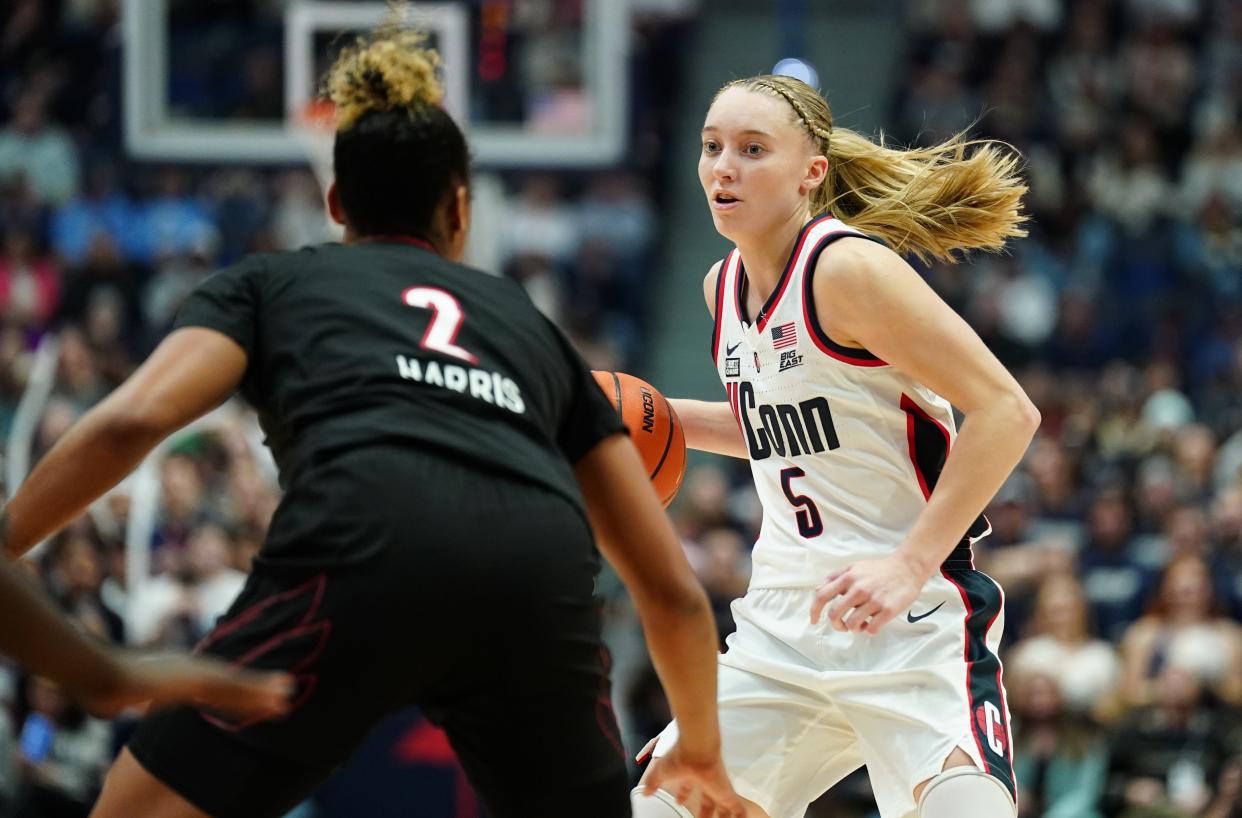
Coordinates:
(654, 428)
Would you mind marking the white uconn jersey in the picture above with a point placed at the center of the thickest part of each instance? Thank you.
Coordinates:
(845, 450)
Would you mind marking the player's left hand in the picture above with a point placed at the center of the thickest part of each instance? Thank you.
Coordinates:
(153, 682)
(702, 783)
(865, 596)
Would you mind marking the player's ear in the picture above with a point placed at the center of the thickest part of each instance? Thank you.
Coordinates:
(458, 221)
(816, 173)
(334, 205)
(461, 207)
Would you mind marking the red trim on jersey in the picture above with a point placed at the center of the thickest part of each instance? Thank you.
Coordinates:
(738, 284)
(731, 390)
(721, 279)
(399, 239)
(782, 283)
(911, 409)
(970, 701)
(1000, 666)
(787, 273)
(1000, 688)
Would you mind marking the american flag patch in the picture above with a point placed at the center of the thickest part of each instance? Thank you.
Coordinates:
(786, 335)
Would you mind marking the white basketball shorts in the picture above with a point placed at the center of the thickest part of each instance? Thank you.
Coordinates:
(802, 705)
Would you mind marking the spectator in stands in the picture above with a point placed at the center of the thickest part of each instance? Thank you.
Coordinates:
(1228, 800)
(1166, 759)
(539, 222)
(616, 210)
(1059, 760)
(1226, 528)
(1059, 494)
(105, 325)
(176, 609)
(1194, 455)
(1083, 82)
(1117, 584)
(103, 207)
(79, 379)
(9, 770)
(105, 268)
(174, 278)
(298, 216)
(184, 508)
(174, 221)
(29, 280)
(1184, 629)
(58, 416)
(14, 365)
(703, 502)
(42, 152)
(75, 578)
(1084, 669)
(1017, 553)
(26, 31)
(721, 560)
(64, 753)
(239, 205)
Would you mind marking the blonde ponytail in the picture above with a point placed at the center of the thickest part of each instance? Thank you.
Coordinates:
(962, 194)
(389, 69)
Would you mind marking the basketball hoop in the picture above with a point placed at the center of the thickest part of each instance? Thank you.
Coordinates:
(314, 126)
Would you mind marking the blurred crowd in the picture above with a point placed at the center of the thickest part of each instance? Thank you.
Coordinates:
(1118, 541)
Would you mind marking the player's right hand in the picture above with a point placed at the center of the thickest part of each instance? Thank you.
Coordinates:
(689, 780)
(150, 683)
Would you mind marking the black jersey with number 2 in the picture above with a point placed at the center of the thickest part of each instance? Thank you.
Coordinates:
(387, 342)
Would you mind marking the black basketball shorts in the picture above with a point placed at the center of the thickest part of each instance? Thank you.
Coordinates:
(392, 580)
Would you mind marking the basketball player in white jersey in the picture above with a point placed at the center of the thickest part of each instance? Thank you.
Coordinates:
(866, 636)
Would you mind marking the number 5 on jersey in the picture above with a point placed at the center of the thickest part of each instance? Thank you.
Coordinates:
(810, 524)
(446, 317)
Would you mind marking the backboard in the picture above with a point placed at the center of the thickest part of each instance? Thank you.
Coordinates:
(533, 82)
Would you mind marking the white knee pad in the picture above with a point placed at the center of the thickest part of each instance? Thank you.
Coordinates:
(965, 792)
(657, 805)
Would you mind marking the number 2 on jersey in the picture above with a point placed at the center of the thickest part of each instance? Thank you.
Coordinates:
(446, 318)
(810, 524)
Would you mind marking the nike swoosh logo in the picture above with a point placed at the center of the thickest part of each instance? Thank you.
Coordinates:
(911, 618)
(730, 350)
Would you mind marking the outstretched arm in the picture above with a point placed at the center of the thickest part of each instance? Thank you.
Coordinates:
(192, 371)
(869, 297)
(638, 541)
(105, 681)
(710, 426)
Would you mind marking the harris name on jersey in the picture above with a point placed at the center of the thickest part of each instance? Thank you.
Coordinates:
(490, 387)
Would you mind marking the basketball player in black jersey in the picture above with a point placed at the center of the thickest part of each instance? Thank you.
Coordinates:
(445, 455)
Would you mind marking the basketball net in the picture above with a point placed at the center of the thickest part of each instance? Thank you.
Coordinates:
(314, 126)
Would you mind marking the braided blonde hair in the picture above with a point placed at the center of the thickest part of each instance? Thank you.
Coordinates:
(926, 201)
